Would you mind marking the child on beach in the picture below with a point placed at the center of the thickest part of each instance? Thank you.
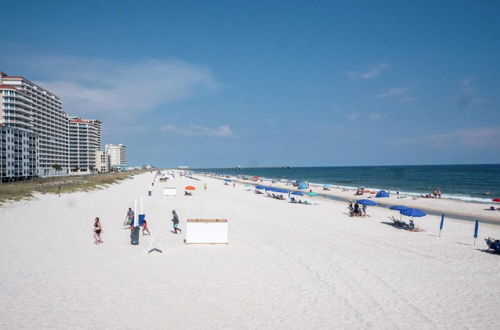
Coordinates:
(145, 228)
(97, 231)
(175, 221)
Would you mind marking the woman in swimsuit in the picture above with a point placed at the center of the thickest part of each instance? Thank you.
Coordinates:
(97, 231)
(145, 228)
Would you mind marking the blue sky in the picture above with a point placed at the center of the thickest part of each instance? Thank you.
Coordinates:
(258, 83)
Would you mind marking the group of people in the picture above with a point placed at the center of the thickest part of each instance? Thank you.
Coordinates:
(129, 219)
(356, 210)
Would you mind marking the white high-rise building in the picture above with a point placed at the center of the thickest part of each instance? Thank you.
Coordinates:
(118, 155)
(34, 110)
(84, 141)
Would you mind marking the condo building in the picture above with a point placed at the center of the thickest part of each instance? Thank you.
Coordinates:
(118, 155)
(102, 162)
(34, 114)
(84, 140)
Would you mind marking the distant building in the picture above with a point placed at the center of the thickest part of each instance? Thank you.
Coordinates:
(84, 141)
(118, 155)
(32, 109)
(102, 161)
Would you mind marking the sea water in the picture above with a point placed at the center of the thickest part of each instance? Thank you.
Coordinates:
(463, 182)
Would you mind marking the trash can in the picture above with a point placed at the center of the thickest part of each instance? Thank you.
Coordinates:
(149, 193)
(134, 235)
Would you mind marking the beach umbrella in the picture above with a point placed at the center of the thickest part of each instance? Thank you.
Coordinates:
(260, 187)
(476, 229)
(366, 202)
(302, 186)
(412, 212)
(398, 207)
(496, 200)
(441, 224)
(298, 193)
(190, 188)
(312, 194)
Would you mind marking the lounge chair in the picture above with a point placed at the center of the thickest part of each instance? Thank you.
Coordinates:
(493, 244)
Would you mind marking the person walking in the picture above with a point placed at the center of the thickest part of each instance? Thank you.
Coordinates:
(205, 186)
(97, 231)
(129, 218)
(175, 221)
(145, 228)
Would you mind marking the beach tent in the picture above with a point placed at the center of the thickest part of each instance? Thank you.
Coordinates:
(302, 186)
(382, 193)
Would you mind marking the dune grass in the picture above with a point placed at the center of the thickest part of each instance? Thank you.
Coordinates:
(15, 191)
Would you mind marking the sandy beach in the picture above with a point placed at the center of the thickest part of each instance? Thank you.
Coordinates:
(450, 207)
(286, 266)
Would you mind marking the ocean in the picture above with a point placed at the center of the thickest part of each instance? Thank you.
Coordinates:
(462, 182)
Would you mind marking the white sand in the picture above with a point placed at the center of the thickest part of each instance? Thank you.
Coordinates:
(287, 266)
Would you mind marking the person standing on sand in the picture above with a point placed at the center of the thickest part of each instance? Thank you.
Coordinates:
(129, 218)
(205, 186)
(97, 231)
(175, 221)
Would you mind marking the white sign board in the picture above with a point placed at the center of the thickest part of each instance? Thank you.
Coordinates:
(169, 191)
(208, 231)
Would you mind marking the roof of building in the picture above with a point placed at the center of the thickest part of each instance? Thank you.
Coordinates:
(78, 120)
(7, 87)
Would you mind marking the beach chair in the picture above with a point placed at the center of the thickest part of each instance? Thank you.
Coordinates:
(493, 244)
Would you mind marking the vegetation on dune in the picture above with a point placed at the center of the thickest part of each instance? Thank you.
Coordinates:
(14, 191)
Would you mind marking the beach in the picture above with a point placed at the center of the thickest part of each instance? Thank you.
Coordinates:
(287, 266)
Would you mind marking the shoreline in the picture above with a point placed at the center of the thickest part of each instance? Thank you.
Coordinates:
(457, 209)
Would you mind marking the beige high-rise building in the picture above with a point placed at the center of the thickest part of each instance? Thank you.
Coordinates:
(102, 161)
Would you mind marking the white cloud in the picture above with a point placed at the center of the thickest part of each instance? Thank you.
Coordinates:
(371, 73)
(90, 86)
(197, 130)
(478, 137)
(393, 91)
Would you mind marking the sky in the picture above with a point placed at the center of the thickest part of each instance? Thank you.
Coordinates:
(270, 83)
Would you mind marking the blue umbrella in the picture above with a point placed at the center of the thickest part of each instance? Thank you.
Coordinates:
(366, 202)
(476, 229)
(302, 186)
(398, 207)
(298, 193)
(413, 212)
(441, 224)
(260, 187)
